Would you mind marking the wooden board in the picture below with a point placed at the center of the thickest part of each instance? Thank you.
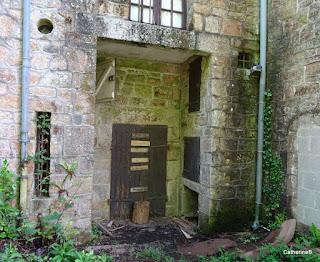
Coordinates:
(140, 135)
(139, 150)
(140, 143)
(140, 160)
(138, 189)
(139, 168)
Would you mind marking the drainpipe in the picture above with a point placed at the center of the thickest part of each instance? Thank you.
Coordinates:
(262, 85)
(25, 105)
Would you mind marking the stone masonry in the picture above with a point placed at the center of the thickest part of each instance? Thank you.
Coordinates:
(293, 76)
(63, 82)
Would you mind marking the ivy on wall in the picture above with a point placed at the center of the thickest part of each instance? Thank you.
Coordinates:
(272, 170)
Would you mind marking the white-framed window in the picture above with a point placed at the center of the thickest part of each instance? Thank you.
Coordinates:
(171, 13)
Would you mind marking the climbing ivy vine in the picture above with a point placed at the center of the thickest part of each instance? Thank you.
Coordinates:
(272, 170)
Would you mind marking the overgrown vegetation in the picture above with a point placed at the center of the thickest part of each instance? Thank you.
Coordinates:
(48, 232)
(272, 171)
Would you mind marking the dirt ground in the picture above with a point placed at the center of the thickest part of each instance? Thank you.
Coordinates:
(162, 234)
(129, 241)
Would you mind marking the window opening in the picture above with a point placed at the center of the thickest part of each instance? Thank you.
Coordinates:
(244, 60)
(194, 85)
(42, 155)
(171, 13)
(191, 168)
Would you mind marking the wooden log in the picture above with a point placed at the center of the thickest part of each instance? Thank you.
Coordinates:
(141, 211)
(104, 230)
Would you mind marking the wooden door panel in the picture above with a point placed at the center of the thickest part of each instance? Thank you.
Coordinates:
(138, 168)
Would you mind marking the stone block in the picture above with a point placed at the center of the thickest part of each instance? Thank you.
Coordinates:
(173, 152)
(8, 26)
(9, 102)
(8, 76)
(57, 79)
(85, 206)
(77, 60)
(173, 170)
(84, 23)
(172, 192)
(61, 119)
(39, 61)
(306, 198)
(84, 103)
(79, 140)
(231, 27)
(100, 192)
(43, 91)
(58, 63)
(197, 22)
(213, 24)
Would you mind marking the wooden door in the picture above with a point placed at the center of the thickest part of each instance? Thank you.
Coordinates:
(138, 168)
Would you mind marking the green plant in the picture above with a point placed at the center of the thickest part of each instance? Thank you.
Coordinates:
(96, 233)
(64, 251)
(10, 216)
(11, 254)
(88, 257)
(150, 253)
(8, 213)
(272, 167)
(315, 237)
(249, 238)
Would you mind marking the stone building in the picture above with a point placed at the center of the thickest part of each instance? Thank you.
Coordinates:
(154, 100)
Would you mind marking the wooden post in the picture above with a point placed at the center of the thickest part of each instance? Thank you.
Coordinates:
(141, 211)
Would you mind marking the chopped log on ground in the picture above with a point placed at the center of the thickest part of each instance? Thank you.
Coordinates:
(206, 247)
(104, 230)
(110, 224)
(141, 211)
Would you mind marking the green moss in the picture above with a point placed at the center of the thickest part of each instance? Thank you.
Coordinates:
(136, 78)
(101, 59)
(232, 218)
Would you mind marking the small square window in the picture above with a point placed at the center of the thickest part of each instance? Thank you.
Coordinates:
(244, 60)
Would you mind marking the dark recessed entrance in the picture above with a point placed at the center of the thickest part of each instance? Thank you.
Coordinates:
(138, 168)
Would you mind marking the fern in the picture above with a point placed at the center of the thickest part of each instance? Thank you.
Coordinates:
(315, 239)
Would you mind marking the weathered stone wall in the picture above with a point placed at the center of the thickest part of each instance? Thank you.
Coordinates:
(293, 69)
(308, 188)
(148, 93)
(62, 80)
(227, 119)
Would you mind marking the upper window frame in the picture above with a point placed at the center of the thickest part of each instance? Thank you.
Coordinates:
(157, 9)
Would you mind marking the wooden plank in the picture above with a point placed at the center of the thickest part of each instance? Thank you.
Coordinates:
(139, 149)
(140, 160)
(104, 230)
(140, 135)
(138, 189)
(140, 143)
(139, 168)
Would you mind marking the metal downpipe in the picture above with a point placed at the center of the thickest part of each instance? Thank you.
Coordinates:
(262, 85)
(25, 104)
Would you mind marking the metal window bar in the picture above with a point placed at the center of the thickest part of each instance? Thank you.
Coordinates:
(42, 161)
(244, 60)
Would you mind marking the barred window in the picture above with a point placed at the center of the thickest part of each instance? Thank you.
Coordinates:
(42, 155)
(171, 13)
(244, 60)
